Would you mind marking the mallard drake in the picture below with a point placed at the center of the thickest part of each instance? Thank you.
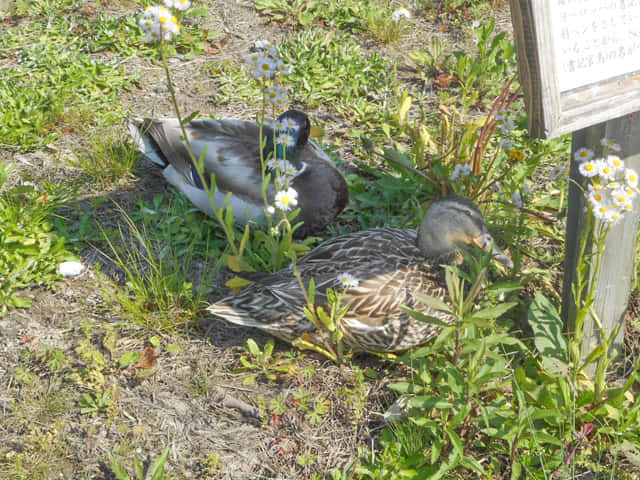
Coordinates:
(384, 268)
(232, 154)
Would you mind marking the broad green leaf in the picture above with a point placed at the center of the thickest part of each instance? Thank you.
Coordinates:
(128, 359)
(548, 329)
(430, 402)
(433, 302)
(494, 312)
(425, 318)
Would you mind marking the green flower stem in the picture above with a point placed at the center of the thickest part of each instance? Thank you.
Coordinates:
(329, 345)
(218, 211)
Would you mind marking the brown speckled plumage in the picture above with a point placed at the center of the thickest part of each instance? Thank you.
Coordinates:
(391, 269)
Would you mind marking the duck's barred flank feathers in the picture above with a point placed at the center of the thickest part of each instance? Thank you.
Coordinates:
(391, 268)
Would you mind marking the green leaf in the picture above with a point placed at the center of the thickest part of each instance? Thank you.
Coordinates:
(252, 347)
(548, 333)
(172, 348)
(157, 470)
(433, 302)
(430, 402)
(425, 318)
(118, 469)
(494, 312)
(128, 359)
(154, 341)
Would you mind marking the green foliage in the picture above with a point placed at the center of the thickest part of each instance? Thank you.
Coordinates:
(159, 292)
(107, 158)
(265, 362)
(153, 472)
(53, 83)
(30, 250)
(342, 14)
(331, 68)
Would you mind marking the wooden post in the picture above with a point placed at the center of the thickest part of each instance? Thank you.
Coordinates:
(617, 264)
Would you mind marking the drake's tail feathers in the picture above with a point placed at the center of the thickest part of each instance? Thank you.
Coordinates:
(144, 143)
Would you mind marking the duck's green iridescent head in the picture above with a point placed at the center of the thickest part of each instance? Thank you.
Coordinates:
(289, 134)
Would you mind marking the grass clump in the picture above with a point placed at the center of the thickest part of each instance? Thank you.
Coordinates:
(54, 86)
(107, 157)
(30, 250)
(331, 68)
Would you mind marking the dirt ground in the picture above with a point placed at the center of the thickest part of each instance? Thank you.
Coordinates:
(191, 400)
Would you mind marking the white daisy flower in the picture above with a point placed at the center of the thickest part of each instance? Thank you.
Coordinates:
(286, 199)
(631, 192)
(283, 68)
(265, 45)
(583, 155)
(460, 171)
(619, 196)
(507, 125)
(558, 171)
(610, 145)
(506, 143)
(348, 281)
(177, 4)
(265, 68)
(631, 177)
(285, 139)
(157, 23)
(282, 182)
(278, 126)
(500, 115)
(605, 170)
(612, 216)
(597, 197)
(278, 101)
(615, 162)
(271, 210)
(254, 58)
(601, 212)
(588, 169)
(400, 13)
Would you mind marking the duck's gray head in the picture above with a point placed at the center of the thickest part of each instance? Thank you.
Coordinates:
(452, 222)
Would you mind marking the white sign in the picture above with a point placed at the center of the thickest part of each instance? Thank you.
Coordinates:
(594, 40)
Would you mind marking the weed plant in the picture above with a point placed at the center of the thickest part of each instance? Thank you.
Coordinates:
(54, 84)
(30, 250)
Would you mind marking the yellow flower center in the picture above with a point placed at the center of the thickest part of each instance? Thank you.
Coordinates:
(285, 200)
(265, 66)
(606, 170)
(584, 154)
(617, 163)
(632, 178)
(602, 209)
(622, 198)
(162, 19)
(628, 206)
(597, 187)
(598, 197)
(588, 167)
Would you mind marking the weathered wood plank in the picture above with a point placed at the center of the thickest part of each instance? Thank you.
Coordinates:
(617, 264)
(553, 112)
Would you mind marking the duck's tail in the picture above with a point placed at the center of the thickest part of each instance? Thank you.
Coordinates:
(144, 142)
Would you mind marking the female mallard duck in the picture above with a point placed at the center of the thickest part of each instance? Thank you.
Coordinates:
(385, 267)
(231, 151)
